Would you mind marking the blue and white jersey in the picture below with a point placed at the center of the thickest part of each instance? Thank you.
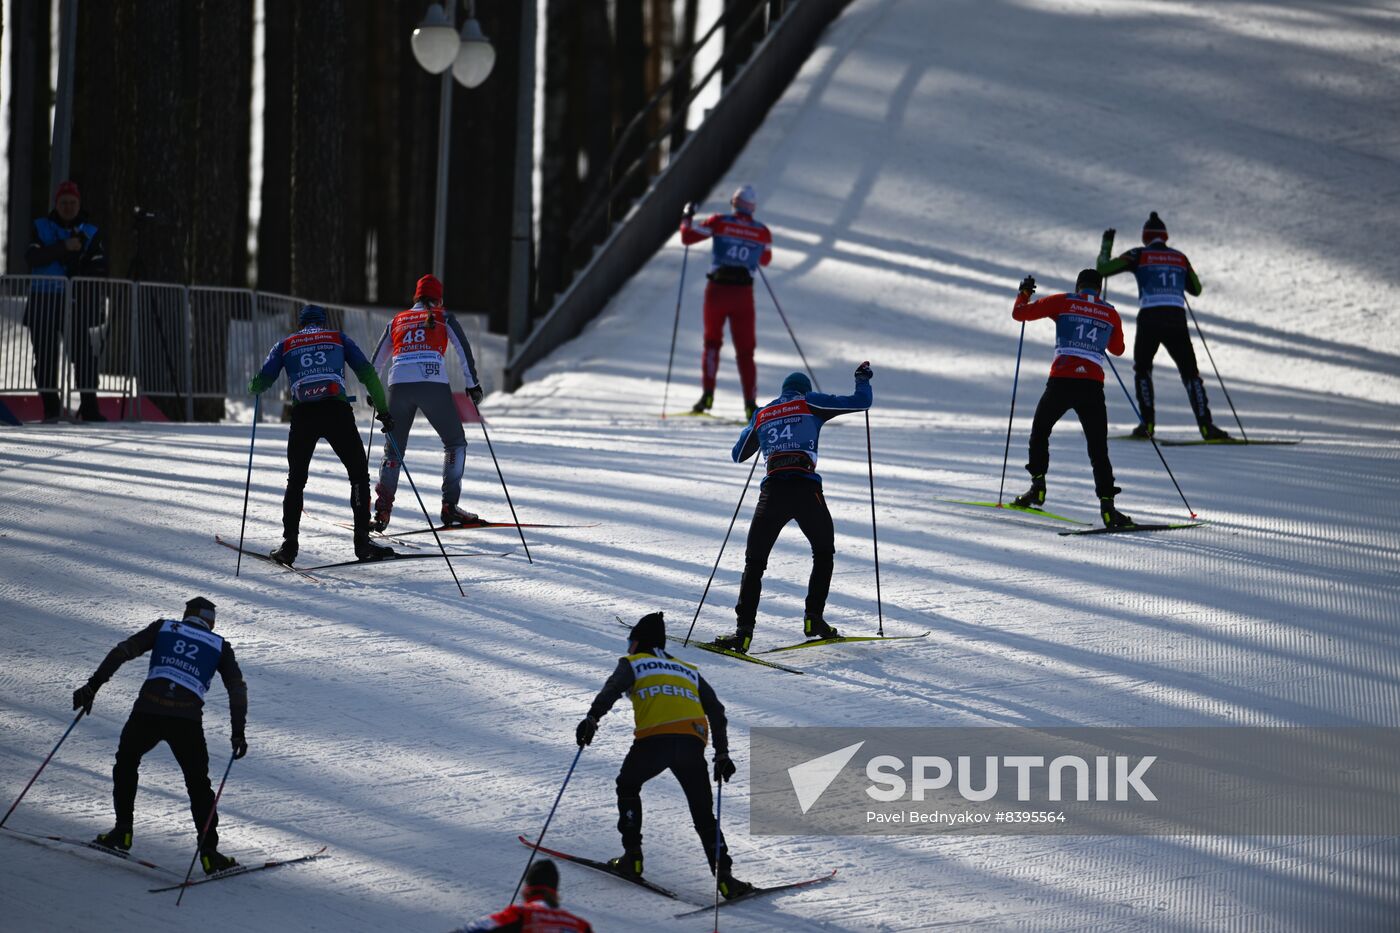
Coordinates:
(788, 429)
(1162, 275)
(185, 654)
(315, 359)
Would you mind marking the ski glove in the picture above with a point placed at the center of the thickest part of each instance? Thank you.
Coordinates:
(724, 768)
(83, 697)
(585, 731)
(864, 372)
(476, 394)
(1028, 285)
(385, 419)
(1108, 236)
(688, 212)
(240, 746)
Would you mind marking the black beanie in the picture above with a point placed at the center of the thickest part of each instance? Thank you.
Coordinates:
(542, 881)
(1089, 281)
(1154, 229)
(200, 608)
(649, 632)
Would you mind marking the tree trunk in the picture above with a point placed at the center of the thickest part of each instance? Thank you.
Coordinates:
(685, 74)
(739, 40)
(29, 196)
(319, 249)
(595, 115)
(274, 242)
(630, 95)
(559, 160)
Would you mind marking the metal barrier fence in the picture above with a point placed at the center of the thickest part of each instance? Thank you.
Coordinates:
(140, 350)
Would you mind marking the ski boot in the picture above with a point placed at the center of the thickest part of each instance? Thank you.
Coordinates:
(739, 641)
(118, 839)
(451, 515)
(818, 629)
(1034, 497)
(628, 864)
(732, 887)
(750, 406)
(1112, 518)
(1143, 432)
(383, 508)
(1210, 432)
(706, 402)
(286, 554)
(212, 861)
(368, 550)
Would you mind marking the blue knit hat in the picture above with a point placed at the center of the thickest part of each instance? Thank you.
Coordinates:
(797, 382)
(311, 314)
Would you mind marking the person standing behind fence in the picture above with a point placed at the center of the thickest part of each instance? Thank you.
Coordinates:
(417, 341)
(315, 359)
(741, 245)
(63, 243)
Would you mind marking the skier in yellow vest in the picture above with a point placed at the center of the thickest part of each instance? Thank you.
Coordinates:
(674, 709)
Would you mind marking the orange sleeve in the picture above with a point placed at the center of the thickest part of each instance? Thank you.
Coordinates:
(694, 233)
(1027, 310)
(767, 256)
(1115, 343)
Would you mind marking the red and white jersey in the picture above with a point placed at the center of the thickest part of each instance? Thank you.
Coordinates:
(417, 341)
(533, 917)
(739, 240)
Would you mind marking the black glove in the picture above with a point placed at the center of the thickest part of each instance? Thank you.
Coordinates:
(864, 372)
(476, 394)
(83, 697)
(1028, 285)
(385, 419)
(724, 767)
(240, 746)
(688, 212)
(1109, 234)
(587, 727)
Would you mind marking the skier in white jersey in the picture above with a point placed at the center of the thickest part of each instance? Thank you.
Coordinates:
(416, 341)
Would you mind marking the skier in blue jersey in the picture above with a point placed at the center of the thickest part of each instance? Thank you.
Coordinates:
(315, 359)
(786, 430)
(185, 656)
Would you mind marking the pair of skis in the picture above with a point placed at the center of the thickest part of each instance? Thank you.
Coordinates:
(667, 892)
(1086, 530)
(810, 643)
(306, 572)
(1218, 442)
(130, 859)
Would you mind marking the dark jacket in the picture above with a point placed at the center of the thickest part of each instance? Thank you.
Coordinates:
(620, 684)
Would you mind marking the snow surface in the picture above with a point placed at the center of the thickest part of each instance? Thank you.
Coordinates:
(928, 156)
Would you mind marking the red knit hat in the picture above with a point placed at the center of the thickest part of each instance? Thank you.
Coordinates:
(428, 287)
(1153, 229)
(67, 187)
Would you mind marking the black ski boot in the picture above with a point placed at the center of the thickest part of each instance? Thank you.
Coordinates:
(628, 864)
(451, 515)
(286, 554)
(1143, 432)
(732, 887)
(1034, 497)
(367, 550)
(739, 641)
(212, 861)
(1210, 432)
(818, 629)
(706, 402)
(1112, 518)
(118, 839)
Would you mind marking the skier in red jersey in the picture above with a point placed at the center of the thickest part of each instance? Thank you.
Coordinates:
(1086, 327)
(741, 245)
(540, 913)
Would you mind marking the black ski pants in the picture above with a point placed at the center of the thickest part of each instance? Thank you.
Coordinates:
(1085, 398)
(683, 756)
(785, 499)
(1166, 327)
(335, 421)
(143, 732)
(44, 317)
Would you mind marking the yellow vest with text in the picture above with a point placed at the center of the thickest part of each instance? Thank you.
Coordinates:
(666, 698)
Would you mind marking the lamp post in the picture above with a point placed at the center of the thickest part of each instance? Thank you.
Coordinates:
(438, 47)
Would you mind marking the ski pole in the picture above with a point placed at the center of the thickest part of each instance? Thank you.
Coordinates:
(675, 329)
(481, 419)
(247, 484)
(208, 821)
(719, 841)
(738, 505)
(1015, 381)
(805, 364)
(875, 531)
(1124, 387)
(540, 841)
(1209, 356)
(41, 767)
(431, 527)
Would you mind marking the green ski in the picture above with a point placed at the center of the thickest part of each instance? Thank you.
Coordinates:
(716, 649)
(1040, 513)
(817, 642)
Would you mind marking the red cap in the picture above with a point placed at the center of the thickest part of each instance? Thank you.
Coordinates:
(428, 287)
(67, 187)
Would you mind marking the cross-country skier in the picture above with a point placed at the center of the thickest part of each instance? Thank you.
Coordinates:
(540, 912)
(741, 245)
(315, 359)
(1164, 276)
(787, 430)
(675, 710)
(1085, 327)
(417, 341)
(170, 708)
